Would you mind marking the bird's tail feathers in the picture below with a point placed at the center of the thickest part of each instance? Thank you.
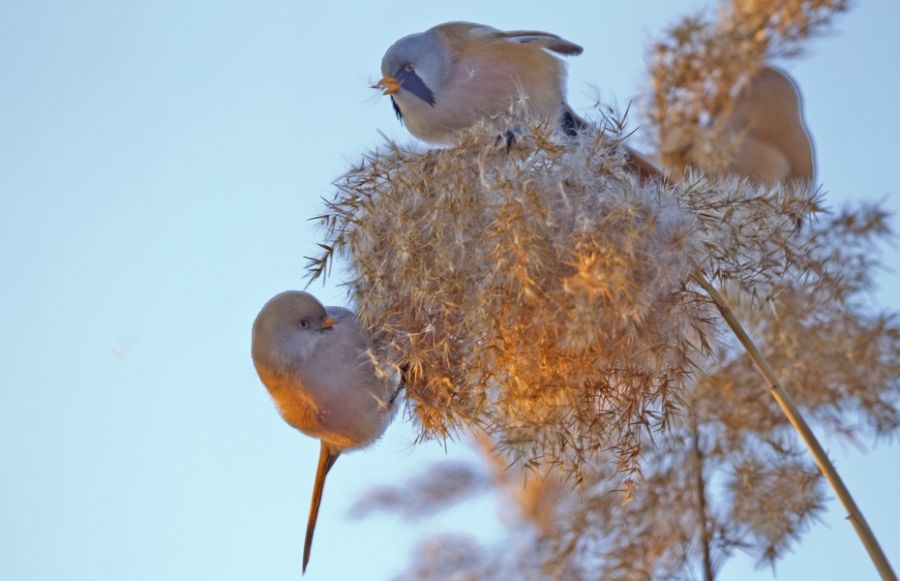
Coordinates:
(327, 457)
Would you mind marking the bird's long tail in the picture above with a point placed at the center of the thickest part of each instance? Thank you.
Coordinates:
(327, 457)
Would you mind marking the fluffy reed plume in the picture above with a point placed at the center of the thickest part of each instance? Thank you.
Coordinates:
(728, 474)
(542, 292)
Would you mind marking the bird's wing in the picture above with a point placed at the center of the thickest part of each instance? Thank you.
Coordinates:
(548, 41)
(454, 31)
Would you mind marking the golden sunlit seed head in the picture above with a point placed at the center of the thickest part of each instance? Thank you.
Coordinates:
(543, 291)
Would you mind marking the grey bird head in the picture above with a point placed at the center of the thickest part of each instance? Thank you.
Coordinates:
(288, 329)
(417, 65)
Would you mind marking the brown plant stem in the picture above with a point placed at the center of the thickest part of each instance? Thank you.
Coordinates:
(705, 536)
(793, 415)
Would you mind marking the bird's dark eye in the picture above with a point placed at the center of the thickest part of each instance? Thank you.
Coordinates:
(304, 324)
(408, 67)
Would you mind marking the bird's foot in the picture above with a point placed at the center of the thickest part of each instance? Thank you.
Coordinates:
(508, 138)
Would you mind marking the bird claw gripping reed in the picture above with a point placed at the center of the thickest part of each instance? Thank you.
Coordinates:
(543, 291)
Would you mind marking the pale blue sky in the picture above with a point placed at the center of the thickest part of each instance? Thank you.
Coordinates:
(158, 164)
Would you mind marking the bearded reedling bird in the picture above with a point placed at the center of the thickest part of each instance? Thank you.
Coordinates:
(447, 78)
(770, 138)
(313, 360)
(767, 118)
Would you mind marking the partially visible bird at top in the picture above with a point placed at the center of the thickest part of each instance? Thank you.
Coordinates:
(452, 75)
(771, 142)
(314, 362)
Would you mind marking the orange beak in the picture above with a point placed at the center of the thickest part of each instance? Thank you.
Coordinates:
(389, 84)
(328, 323)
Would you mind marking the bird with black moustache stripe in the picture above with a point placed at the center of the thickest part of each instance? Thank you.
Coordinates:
(447, 78)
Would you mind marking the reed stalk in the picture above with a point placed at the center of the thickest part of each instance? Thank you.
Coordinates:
(812, 443)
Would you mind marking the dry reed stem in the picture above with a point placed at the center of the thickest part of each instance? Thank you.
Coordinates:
(796, 418)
